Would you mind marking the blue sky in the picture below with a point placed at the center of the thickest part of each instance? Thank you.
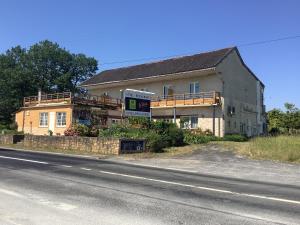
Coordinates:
(113, 31)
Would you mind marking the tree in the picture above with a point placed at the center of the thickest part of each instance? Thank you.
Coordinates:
(44, 65)
(284, 121)
(275, 119)
(292, 117)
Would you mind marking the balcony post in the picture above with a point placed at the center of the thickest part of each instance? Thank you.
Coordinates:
(214, 97)
(174, 115)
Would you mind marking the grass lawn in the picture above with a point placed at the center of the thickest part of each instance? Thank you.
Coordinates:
(280, 148)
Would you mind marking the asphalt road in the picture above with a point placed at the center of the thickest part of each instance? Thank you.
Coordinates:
(39, 188)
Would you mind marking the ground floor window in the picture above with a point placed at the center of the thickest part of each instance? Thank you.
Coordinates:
(168, 120)
(115, 121)
(189, 122)
(61, 119)
(44, 119)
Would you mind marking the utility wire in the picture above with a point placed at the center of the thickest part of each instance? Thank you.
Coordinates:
(171, 56)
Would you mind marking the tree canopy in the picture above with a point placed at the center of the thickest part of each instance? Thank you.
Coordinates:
(44, 65)
(284, 121)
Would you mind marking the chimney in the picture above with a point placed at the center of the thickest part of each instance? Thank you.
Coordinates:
(39, 95)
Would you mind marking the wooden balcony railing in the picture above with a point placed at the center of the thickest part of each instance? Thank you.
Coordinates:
(187, 99)
(67, 97)
(48, 98)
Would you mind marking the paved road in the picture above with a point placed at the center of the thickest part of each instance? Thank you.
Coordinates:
(39, 188)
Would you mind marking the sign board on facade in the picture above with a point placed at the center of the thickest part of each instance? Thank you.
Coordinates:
(137, 103)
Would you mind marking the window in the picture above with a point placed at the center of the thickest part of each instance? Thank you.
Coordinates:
(187, 122)
(61, 119)
(194, 87)
(167, 91)
(115, 121)
(231, 110)
(43, 119)
(168, 120)
(194, 121)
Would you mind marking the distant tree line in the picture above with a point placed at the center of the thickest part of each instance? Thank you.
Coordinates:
(44, 65)
(287, 121)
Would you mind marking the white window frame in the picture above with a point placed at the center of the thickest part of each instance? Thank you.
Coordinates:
(61, 119)
(166, 91)
(115, 121)
(193, 86)
(43, 119)
(189, 123)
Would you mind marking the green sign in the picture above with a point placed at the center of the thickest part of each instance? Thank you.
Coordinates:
(132, 104)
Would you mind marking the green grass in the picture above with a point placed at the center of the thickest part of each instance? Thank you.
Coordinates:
(280, 148)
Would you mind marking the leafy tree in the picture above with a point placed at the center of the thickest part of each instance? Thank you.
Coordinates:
(284, 121)
(292, 117)
(44, 65)
(275, 118)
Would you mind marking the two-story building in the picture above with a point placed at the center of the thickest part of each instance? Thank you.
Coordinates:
(213, 91)
(53, 114)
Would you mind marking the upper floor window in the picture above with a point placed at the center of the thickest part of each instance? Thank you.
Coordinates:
(194, 87)
(167, 91)
(230, 110)
(61, 119)
(43, 119)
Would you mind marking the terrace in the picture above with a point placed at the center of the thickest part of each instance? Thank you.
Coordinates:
(187, 99)
(68, 98)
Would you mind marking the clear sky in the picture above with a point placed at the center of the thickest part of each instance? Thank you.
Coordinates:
(114, 31)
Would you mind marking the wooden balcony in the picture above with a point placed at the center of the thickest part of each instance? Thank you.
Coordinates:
(68, 98)
(188, 99)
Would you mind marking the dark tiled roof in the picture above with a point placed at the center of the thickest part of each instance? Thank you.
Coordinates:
(169, 66)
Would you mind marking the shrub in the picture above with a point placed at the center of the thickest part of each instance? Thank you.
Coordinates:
(190, 138)
(77, 130)
(158, 134)
(139, 122)
(115, 131)
(235, 137)
(93, 131)
(176, 136)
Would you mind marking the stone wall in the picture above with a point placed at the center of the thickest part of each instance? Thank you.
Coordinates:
(6, 139)
(9, 139)
(107, 146)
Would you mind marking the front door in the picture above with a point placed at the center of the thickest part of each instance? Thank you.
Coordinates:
(52, 121)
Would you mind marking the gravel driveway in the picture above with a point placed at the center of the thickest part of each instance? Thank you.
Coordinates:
(217, 160)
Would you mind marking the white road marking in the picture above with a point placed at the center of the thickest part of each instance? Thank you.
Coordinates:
(203, 188)
(85, 169)
(67, 166)
(26, 160)
(160, 181)
(12, 193)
